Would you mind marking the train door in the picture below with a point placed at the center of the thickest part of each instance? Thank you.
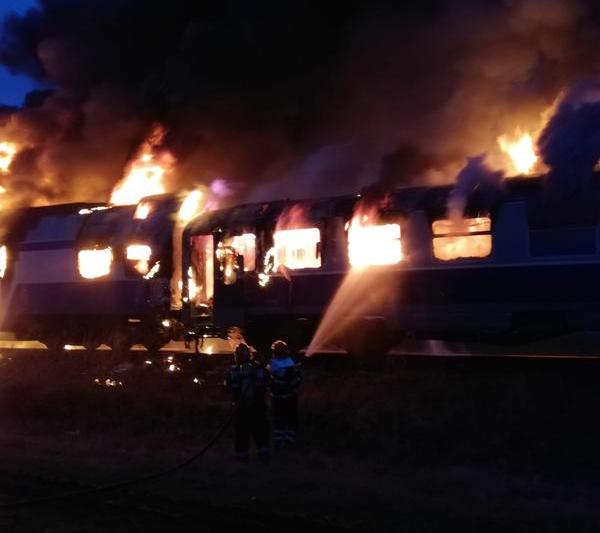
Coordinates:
(235, 257)
(200, 278)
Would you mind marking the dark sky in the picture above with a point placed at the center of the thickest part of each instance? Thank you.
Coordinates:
(13, 88)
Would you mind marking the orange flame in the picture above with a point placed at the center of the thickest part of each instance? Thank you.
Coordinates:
(192, 205)
(521, 152)
(370, 243)
(3, 260)
(142, 211)
(462, 238)
(8, 150)
(95, 263)
(296, 245)
(140, 254)
(146, 174)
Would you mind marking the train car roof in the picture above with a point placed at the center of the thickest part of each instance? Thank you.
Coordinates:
(403, 200)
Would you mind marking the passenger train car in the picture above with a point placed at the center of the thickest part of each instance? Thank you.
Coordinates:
(517, 264)
(90, 274)
(371, 268)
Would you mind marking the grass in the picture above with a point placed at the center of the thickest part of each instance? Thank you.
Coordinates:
(470, 443)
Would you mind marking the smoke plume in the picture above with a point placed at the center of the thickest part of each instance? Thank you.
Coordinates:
(570, 143)
(292, 99)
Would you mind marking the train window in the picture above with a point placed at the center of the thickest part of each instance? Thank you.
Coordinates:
(464, 238)
(201, 274)
(56, 228)
(244, 245)
(228, 264)
(297, 248)
(375, 244)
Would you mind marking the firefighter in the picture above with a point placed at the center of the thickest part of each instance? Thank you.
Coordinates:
(284, 383)
(247, 381)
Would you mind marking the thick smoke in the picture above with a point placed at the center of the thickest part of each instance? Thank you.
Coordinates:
(291, 99)
(570, 142)
(475, 175)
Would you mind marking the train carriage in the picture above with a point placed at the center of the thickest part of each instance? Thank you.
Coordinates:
(90, 274)
(516, 264)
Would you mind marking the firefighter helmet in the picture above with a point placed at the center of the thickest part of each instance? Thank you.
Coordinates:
(242, 352)
(280, 349)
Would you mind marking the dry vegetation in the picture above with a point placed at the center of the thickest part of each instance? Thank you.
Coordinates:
(424, 444)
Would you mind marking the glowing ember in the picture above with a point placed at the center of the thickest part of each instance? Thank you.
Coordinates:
(153, 271)
(265, 276)
(3, 261)
(140, 253)
(371, 244)
(466, 238)
(146, 173)
(109, 383)
(94, 263)
(142, 211)
(521, 151)
(8, 151)
(89, 211)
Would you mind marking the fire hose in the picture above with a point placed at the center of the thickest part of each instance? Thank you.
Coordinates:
(135, 481)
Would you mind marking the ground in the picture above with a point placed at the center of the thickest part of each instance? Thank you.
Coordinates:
(405, 443)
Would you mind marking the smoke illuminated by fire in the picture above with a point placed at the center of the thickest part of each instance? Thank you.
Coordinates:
(145, 175)
(8, 150)
(521, 152)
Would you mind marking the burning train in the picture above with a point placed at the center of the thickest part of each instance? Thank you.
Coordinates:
(90, 274)
(368, 271)
(514, 265)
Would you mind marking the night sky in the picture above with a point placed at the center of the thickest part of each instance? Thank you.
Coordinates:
(13, 88)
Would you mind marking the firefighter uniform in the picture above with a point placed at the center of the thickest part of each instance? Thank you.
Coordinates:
(247, 382)
(284, 383)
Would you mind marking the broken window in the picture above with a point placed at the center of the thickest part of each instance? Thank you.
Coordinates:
(297, 248)
(95, 262)
(463, 238)
(244, 245)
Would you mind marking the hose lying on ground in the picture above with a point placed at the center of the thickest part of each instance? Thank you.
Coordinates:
(130, 482)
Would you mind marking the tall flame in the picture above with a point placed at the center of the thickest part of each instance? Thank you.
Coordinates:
(145, 175)
(8, 150)
(521, 151)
